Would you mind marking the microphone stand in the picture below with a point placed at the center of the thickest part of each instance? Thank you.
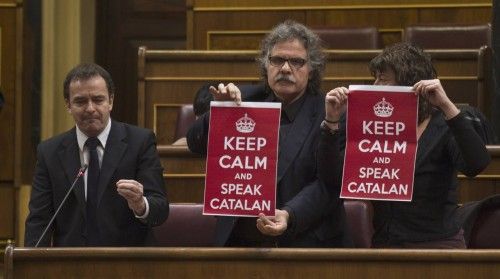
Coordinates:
(80, 173)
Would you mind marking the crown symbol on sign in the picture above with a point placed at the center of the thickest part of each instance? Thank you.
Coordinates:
(245, 124)
(383, 108)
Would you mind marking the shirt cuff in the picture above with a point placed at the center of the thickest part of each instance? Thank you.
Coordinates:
(146, 212)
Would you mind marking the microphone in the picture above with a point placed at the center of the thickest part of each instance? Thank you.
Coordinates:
(81, 171)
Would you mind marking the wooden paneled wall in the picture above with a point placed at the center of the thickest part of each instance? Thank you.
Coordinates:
(167, 79)
(10, 114)
(123, 26)
(226, 24)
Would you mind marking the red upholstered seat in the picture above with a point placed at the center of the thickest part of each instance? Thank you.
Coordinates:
(186, 226)
(359, 215)
(442, 36)
(486, 229)
(185, 117)
(350, 37)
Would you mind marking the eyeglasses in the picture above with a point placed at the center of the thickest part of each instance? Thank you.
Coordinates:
(295, 62)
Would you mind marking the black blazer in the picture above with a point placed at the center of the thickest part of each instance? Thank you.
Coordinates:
(130, 153)
(318, 216)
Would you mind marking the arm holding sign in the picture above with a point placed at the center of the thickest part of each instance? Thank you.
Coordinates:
(467, 150)
(433, 91)
(469, 153)
(335, 104)
(197, 135)
(330, 148)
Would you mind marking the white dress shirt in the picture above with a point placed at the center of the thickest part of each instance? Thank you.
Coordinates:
(84, 157)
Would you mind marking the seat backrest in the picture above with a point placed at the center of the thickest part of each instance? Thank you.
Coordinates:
(486, 229)
(350, 37)
(455, 36)
(186, 226)
(185, 117)
(359, 216)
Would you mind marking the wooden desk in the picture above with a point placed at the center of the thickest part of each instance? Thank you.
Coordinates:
(185, 176)
(249, 263)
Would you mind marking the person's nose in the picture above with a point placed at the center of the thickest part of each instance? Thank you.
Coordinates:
(286, 67)
(90, 106)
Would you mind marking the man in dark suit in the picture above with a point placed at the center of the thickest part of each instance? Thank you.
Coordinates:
(122, 194)
(309, 213)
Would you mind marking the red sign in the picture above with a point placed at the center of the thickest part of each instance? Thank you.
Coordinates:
(242, 159)
(381, 143)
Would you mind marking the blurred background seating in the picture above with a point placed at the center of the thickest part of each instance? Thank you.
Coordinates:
(349, 37)
(448, 36)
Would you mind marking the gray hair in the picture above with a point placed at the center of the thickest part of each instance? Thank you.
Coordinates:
(290, 30)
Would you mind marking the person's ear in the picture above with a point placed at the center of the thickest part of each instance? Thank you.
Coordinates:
(111, 98)
(68, 107)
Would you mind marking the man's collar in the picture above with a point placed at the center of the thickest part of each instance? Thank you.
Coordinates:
(291, 110)
(103, 136)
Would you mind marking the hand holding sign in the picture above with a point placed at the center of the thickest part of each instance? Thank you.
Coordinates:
(335, 103)
(433, 91)
(229, 92)
(273, 225)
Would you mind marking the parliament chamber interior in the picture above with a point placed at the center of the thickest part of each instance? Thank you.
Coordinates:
(160, 53)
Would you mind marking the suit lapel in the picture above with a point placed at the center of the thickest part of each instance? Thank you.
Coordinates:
(69, 158)
(301, 128)
(115, 149)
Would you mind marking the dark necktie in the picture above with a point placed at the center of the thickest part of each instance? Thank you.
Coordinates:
(92, 182)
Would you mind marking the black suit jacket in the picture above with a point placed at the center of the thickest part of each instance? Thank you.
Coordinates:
(318, 216)
(130, 153)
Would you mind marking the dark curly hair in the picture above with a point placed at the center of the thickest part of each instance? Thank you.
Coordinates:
(410, 64)
(202, 98)
(290, 30)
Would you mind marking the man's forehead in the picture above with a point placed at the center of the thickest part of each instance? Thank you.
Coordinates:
(289, 45)
(88, 92)
(87, 79)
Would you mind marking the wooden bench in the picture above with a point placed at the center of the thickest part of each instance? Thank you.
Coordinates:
(167, 79)
(185, 176)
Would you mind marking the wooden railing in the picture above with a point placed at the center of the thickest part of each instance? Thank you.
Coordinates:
(249, 263)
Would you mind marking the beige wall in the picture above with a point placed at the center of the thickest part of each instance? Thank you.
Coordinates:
(67, 40)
